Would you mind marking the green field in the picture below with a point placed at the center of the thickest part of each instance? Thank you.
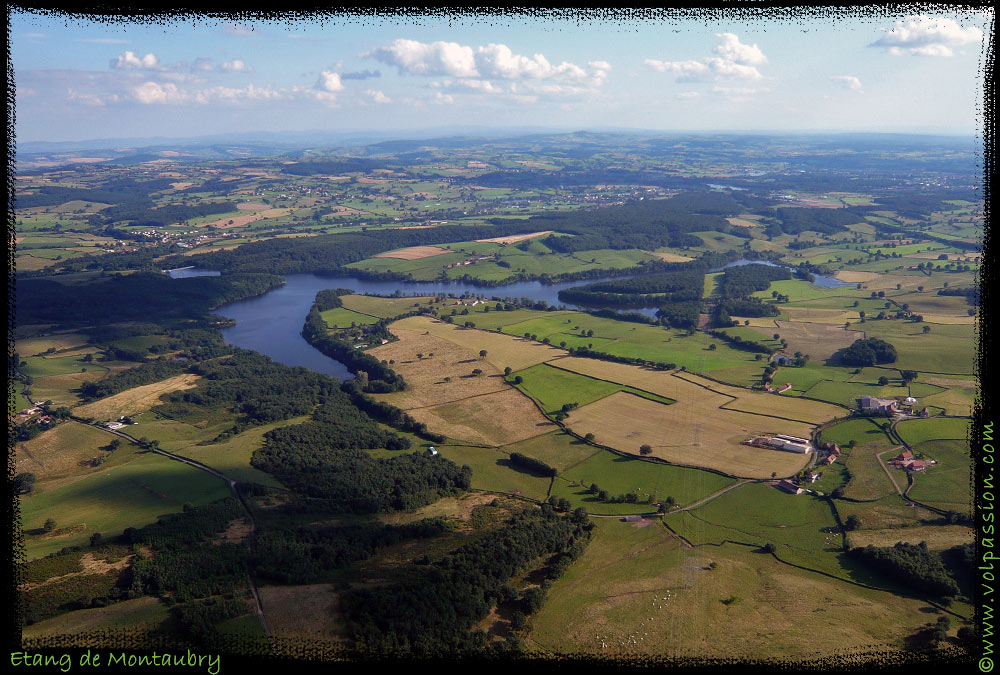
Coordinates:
(492, 471)
(919, 430)
(554, 387)
(947, 484)
(341, 317)
(622, 475)
(142, 612)
(133, 494)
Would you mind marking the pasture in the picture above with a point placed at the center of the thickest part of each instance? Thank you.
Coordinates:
(937, 537)
(492, 471)
(622, 475)
(915, 431)
(494, 419)
(62, 451)
(689, 432)
(502, 350)
(108, 501)
(135, 400)
(639, 592)
(425, 374)
(340, 317)
(553, 387)
(558, 449)
(383, 308)
(947, 484)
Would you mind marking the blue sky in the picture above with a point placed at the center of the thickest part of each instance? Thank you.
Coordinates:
(78, 80)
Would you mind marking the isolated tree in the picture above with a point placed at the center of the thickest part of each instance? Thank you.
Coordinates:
(908, 375)
(482, 353)
(777, 337)
(711, 347)
(49, 525)
(507, 371)
(883, 381)
(852, 523)
(645, 450)
(24, 483)
(589, 437)
(95, 539)
(770, 548)
(927, 329)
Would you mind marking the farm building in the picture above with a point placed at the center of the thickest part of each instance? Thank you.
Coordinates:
(881, 404)
(831, 458)
(789, 443)
(917, 465)
(790, 487)
(431, 452)
(782, 359)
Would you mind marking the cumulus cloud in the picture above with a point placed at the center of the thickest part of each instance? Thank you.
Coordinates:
(927, 36)
(417, 58)
(377, 96)
(129, 60)
(480, 69)
(236, 66)
(734, 60)
(850, 82)
(150, 93)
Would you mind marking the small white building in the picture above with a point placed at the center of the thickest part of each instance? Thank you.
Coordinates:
(431, 452)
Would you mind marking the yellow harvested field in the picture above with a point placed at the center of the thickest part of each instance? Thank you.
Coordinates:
(425, 385)
(245, 206)
(818, 340)
(704, 394)
(181, 186)
(759, 321)
(938, 537)
(742, 222)
(60, 389)
(513, 239)
(494, 419)
(501, 350)
(855, 277)
(760, 403)
(819, 316)
(135, 400)
(690, 432)
(60, 451)
(415, 253)
(670, 257)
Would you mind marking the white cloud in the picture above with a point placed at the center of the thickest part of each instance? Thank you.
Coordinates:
(735, 60)
(732, 50)
(850, 82)
(92, 99)
(927, 36)
(156, 93)
(329, 82)
(417, 58)
(478, 69)
(237, 95)
(130, 61)
(236, 66)
(202, 64)
(377, 96)
(440, 98)
(688, 95)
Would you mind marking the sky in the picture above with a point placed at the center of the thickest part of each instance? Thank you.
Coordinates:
(78, 79)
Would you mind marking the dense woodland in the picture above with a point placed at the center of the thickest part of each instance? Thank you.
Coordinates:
(910, 564)
(434, 614)
(868, 352)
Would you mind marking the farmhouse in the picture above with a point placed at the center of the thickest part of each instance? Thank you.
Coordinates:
(790, 487)
(782, 359)
(917, 465)
(871, 403)
(431, 452)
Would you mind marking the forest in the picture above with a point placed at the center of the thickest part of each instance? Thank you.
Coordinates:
(868, 352)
